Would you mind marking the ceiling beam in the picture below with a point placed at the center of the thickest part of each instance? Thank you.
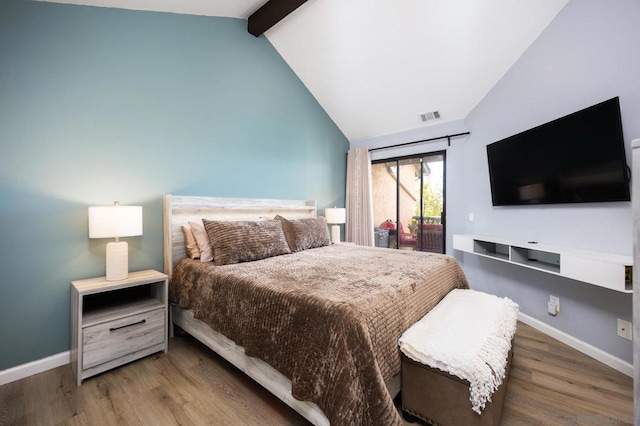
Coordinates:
(270, 14)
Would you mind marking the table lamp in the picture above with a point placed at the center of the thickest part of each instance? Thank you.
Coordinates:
(335, 216)
(114, 222)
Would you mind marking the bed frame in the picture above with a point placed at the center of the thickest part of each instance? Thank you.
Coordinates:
(179, 210)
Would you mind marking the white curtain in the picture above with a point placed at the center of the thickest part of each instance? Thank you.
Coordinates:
(359, 226)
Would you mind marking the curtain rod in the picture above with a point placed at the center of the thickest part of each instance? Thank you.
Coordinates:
(448, 137)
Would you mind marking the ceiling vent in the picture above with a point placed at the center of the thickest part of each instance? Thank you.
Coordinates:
(428, 116)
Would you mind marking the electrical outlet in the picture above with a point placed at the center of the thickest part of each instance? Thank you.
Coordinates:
(471, 217)
(556, 301)
(624, 329)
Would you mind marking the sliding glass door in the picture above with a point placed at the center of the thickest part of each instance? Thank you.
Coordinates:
(409, 202)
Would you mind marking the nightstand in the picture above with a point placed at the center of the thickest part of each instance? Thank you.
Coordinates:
(116, 322)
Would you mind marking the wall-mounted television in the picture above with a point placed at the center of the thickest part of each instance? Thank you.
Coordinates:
(578, 158)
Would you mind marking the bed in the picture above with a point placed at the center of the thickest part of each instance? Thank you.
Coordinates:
(318, 327)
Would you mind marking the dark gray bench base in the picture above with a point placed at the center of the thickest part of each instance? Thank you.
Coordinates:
(442, 399)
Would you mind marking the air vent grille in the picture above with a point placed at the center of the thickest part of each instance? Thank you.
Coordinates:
(428, 116)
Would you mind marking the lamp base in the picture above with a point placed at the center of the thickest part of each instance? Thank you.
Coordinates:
(117, 260)
(335, 234)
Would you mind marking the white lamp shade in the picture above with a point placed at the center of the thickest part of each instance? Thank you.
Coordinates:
(115, 221)
(335, 215)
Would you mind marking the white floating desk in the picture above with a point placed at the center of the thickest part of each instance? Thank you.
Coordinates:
(606, 270)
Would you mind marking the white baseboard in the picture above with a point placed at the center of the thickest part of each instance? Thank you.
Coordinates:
(584, 347)
(25, 370)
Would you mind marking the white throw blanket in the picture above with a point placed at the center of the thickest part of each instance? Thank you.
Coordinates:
(468, 334)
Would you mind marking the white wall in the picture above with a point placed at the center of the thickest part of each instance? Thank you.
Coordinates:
(588, 54)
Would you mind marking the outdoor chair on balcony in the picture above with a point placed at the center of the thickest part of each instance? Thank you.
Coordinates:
(406, 239)
(432, 238)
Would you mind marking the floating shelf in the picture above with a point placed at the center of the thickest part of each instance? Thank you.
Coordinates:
(606, 270)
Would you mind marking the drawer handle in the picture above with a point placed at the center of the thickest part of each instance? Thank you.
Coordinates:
(128, 325)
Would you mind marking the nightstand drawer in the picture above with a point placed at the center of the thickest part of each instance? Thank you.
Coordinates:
(114, 339)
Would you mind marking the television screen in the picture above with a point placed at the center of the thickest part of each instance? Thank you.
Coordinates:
(578, 158)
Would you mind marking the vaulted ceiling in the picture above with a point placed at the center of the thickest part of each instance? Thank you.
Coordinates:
(376, 65)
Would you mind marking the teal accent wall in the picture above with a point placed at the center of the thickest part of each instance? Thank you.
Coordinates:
(101, 104)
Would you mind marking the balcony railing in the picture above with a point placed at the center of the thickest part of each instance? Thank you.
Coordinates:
(434, 220)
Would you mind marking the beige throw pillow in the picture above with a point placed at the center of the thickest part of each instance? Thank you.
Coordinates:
(200, 234)
(190, 244)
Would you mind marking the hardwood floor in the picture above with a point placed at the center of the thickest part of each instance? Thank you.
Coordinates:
(553, 384)
(549, 384)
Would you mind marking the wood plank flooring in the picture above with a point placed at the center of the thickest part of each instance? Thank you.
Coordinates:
(549, 384)
(553, 384)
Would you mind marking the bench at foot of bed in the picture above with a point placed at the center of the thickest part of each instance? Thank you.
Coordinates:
(456, 360)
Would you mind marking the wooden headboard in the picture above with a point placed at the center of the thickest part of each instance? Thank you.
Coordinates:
(178, 210)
